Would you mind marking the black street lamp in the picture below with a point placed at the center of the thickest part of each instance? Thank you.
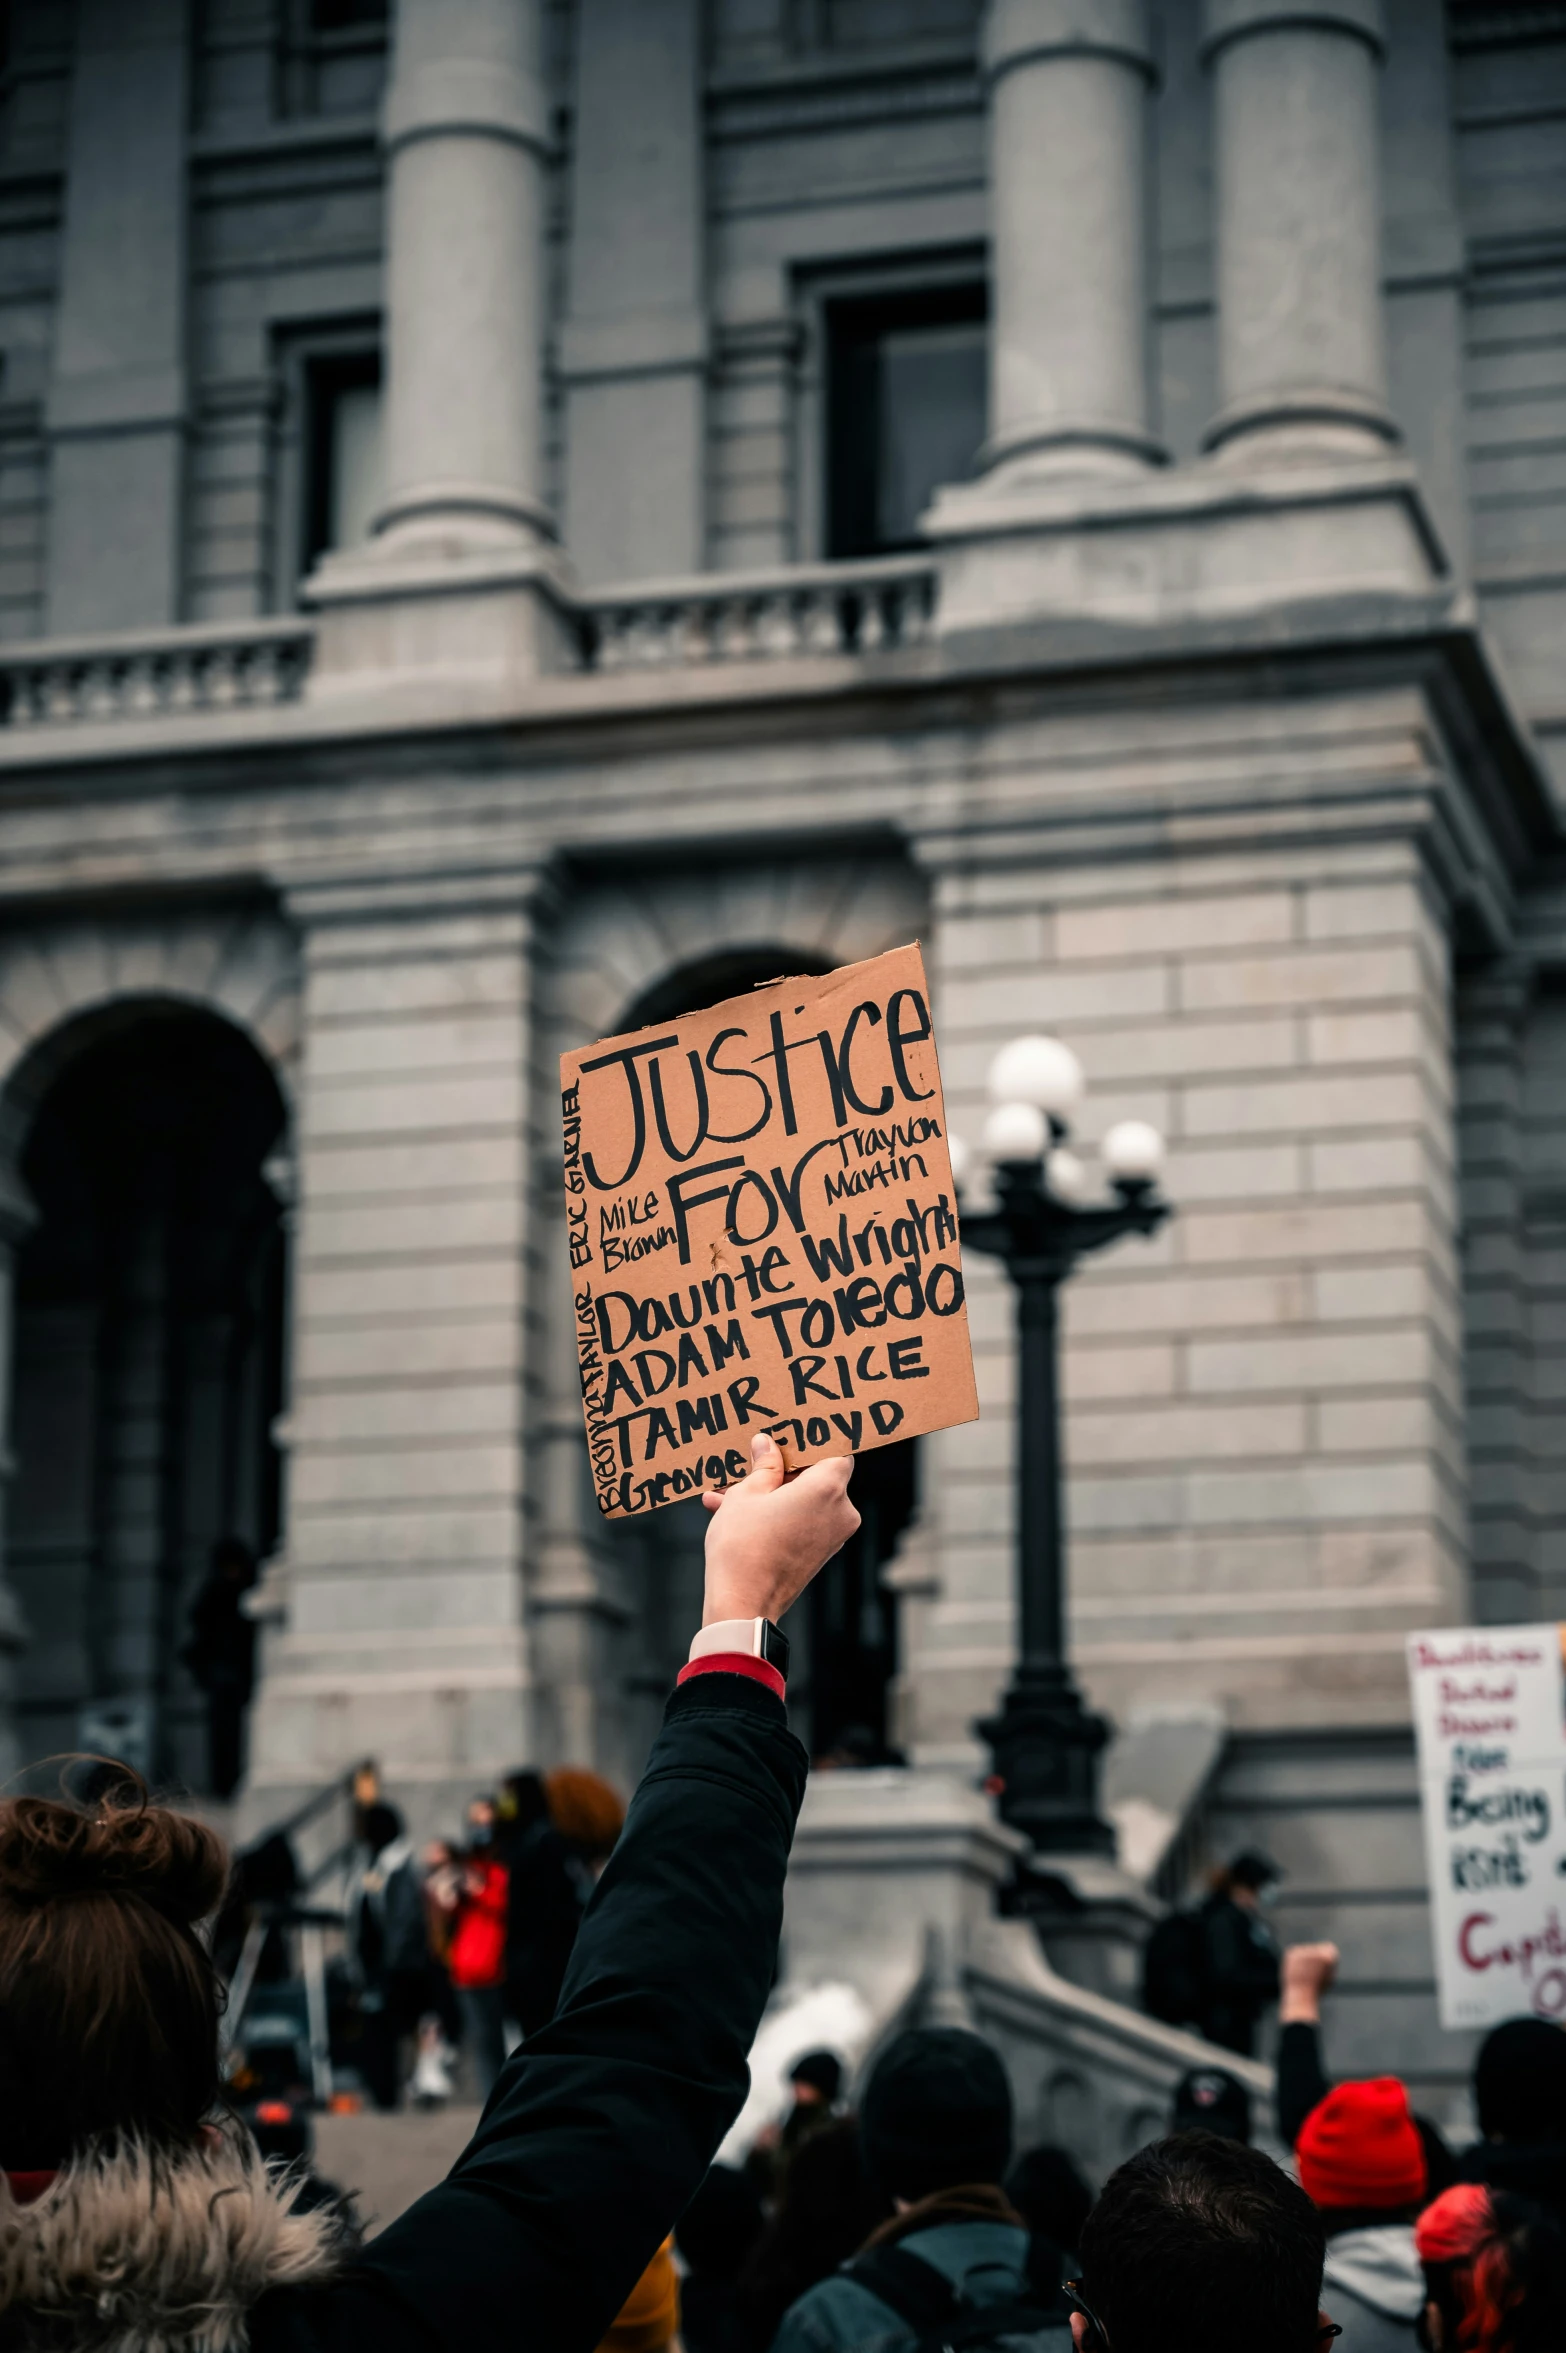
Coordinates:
(1044, 1741)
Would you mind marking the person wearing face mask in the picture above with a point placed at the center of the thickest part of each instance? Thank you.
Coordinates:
(1239, 1955)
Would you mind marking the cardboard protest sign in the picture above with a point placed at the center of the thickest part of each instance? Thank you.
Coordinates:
(1490, 1714)
(763, 1234)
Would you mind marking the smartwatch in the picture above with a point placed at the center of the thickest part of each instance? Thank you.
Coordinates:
(753, 1638)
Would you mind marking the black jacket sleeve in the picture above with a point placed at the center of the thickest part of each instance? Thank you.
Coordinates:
(1242, 1960)
(601, 2127)
(1302, 2079)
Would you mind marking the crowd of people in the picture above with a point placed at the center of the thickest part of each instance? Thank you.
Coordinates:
(910, 2223)
(137, 2216)
(459, 1947)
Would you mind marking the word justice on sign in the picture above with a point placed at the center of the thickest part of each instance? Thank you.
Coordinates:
(762, 1229)
(1490, 1716)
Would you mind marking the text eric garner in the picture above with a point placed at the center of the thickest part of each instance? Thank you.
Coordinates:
(762, 1228)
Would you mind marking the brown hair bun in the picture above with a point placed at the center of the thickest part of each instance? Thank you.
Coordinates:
(123, 1846)
(584, 1808)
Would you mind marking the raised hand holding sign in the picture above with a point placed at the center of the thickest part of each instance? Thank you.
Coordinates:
(762, 1227)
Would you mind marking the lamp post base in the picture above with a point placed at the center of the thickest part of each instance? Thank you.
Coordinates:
(1045, 1745)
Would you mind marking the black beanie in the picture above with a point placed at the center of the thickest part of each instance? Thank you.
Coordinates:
(936, 2112)
(1210, 2099)
(821, 2070)
(1520, 2082)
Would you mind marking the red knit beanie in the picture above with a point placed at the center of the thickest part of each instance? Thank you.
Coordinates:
(1359, 2147)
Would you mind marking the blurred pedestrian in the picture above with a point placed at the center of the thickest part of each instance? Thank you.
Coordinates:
(935, 2128)
(1239, 1953)
(1520, 2100)
(815, 2080)
(1054, 2201)
(389, 1947)
(547, 1891)
(476, 1959)
(827, 2208)
(440, 2028)
(555, 1834)
(715, 2236)
(1494, 2274)
(1210, 2099)
(649, 2319)
(221, 1656)
(1200, 2243)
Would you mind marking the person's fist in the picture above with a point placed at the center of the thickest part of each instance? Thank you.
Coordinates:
(769, 1535)
(1308, 1970)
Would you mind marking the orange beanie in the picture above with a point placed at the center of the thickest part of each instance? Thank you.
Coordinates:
(1360, 2147)
(650, 2316)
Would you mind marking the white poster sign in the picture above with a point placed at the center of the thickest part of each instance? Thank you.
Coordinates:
(1490, 1716)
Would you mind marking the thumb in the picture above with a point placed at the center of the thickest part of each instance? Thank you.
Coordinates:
(766, 1463)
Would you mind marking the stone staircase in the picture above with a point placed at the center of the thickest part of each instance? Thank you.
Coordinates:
(891, 1899)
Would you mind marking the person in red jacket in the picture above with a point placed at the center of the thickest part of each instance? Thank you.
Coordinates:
(477, 1960)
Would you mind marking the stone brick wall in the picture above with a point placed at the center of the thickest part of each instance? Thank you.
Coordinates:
(1264, 1412)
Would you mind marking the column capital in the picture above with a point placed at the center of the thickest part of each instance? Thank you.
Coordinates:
(522, 889)
(1226, 21)
(1030, 32)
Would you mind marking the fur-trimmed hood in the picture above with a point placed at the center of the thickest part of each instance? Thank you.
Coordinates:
(132, 2252)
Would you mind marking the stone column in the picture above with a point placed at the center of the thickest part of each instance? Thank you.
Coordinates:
(1491, 1010)
(395, 1618)
(466, 133)
(633, 350)
(1302, 365)
(1068, 83)
(17, 1219)
(116, 408)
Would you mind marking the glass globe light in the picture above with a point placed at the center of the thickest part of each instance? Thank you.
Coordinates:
(1065, 1175)
(1040, 1071)
(1133, 1153)
(1016, 1131)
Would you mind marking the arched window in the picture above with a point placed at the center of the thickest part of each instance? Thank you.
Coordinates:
(148, 1375)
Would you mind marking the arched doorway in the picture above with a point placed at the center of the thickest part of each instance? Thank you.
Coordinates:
(147, 1372)
(844, 1635)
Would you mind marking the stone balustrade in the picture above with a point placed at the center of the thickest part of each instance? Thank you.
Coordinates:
(52, 682)
(791, 613)
(798, 610)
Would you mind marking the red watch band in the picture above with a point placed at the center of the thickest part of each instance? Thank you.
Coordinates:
(734, 1662)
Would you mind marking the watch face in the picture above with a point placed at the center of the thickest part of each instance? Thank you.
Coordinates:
(774, 1647)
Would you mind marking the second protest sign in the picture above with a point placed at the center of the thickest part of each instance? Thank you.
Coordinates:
(762, 1228)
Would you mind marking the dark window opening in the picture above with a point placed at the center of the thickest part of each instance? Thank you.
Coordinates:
(853, 1618)
(907, 391)
(148, 1377)
(342, 450)
(345, 16)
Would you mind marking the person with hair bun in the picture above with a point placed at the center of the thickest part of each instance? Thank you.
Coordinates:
(137, 2217)
(1495, 2274)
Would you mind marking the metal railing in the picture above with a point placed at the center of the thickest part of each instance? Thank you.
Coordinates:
(155, 673)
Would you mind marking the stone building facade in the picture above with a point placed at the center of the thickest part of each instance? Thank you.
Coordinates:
(519, 514)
